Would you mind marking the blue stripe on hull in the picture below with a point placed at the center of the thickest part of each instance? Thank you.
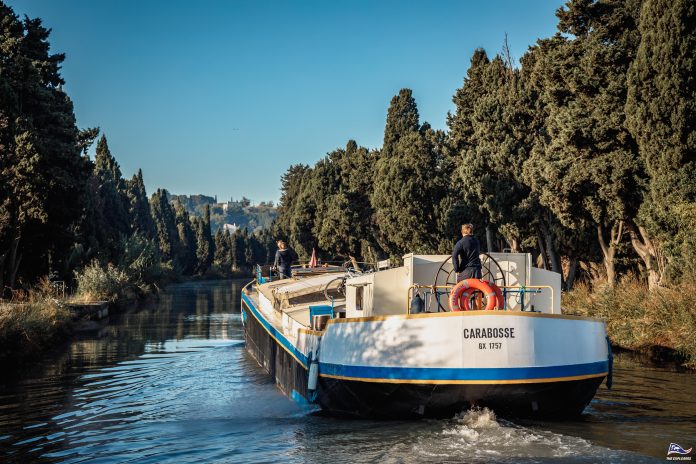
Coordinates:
(430, 373)
(463, 374)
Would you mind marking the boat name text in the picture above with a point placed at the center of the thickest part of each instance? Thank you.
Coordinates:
(490, 332)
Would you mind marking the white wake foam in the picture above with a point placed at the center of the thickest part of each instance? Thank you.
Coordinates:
(478, 436)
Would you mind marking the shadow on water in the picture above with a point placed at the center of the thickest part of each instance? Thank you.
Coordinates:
(172, 382)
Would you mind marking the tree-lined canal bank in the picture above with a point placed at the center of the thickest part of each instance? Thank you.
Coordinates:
(172, 382)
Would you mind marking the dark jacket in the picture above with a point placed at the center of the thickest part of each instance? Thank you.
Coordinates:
(466, 254)
(283, 260)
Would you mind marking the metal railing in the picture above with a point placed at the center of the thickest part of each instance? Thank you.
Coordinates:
(436, 290)
(524, 289)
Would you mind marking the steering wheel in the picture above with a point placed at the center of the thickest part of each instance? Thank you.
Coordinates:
(489, 269)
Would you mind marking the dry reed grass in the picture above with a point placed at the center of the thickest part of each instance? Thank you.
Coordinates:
(30, 323)
(640, 320)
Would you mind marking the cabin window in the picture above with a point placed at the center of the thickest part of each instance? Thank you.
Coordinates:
(359, 298)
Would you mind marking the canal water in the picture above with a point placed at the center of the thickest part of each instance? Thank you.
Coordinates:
(172, 382)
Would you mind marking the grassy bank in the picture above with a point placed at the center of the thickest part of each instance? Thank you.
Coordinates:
(662, 322)
(31, 327)
(38, 319)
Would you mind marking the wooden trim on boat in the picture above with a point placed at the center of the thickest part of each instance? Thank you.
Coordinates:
(318, 333)
(344, 320)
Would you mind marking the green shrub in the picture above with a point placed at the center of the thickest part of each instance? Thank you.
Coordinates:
(97, 282)
(140, 261)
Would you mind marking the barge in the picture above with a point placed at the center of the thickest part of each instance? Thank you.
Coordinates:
(387, 344)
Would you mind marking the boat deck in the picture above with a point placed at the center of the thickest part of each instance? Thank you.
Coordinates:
(292, 298)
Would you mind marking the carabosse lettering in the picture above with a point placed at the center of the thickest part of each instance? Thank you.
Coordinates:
(490, 332)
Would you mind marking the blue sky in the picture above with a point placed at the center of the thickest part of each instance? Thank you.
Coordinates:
(220, 97)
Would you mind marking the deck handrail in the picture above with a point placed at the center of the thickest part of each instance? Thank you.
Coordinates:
(434, 288)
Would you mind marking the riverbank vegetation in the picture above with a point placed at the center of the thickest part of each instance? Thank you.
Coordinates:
(583, 154)
(32, 322)
(74, 220)
(65, 214)
(660, 323)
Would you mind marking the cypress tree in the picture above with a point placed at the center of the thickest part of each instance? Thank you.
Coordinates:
(304, 214)
(402, 118)
(359, 173)
(344, 224)
(323, 185)
(205, 246)
(222, 251)
(291, 188)
(42, 175)
(490, 133)
(585, 167)
(238, 250)
(165, 223)
(185, 259)
(408, 185)
(112, 218)
(461, 206)
(140, 214)
(460, 123)
(661, 115)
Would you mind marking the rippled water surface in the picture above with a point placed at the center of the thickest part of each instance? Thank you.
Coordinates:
(172, 382)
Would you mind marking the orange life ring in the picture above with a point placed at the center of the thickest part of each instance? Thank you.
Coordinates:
(459, 296)
(499, 295)
(500, 301)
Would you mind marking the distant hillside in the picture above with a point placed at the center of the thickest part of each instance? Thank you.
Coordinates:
(236, 212)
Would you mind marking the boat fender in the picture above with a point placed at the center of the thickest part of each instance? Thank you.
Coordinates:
(417, 304)
(313, 373)
(610, 361)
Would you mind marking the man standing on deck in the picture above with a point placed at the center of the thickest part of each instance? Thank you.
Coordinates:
(465, 256)
(283, 260)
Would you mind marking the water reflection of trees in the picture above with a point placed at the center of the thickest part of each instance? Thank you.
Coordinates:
(198, 310)
(193, 310)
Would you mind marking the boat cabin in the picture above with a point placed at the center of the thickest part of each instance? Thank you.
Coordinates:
(388, 292)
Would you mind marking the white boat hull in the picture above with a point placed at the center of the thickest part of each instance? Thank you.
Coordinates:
(518, 363)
